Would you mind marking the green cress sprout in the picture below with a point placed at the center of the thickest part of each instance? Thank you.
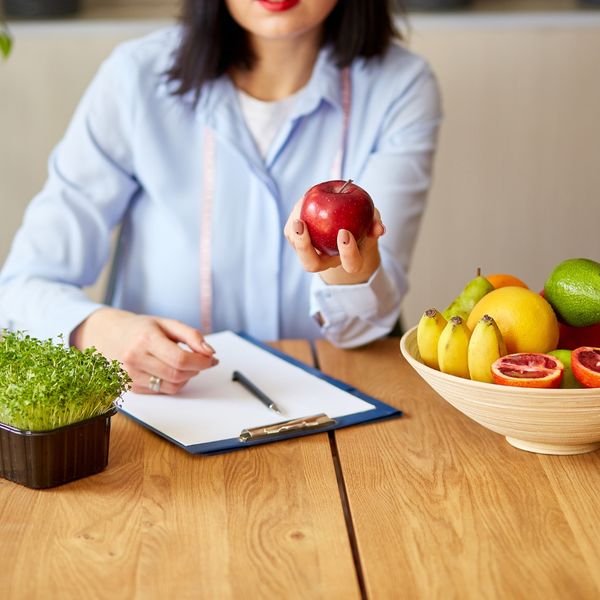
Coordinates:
(44, 385)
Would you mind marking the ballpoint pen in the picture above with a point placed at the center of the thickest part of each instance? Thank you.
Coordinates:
(257, 393)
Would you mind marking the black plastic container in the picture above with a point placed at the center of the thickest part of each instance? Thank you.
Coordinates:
(44, 459)
(36, 9)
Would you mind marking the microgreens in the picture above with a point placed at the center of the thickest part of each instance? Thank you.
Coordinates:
(44, 385)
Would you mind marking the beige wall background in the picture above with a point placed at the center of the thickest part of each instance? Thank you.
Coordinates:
(517, 179)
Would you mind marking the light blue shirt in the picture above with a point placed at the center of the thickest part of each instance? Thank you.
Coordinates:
(133, 154)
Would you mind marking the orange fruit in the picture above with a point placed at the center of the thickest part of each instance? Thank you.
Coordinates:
(525, 319)
(528, 369)
(499, 280)
(585, 362)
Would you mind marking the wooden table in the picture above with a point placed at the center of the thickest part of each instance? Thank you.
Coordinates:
(431, 505)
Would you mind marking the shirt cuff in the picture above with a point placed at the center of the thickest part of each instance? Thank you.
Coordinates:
(64, 319)
(339, 308)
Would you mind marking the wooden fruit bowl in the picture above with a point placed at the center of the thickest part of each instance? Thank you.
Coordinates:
(555, 421)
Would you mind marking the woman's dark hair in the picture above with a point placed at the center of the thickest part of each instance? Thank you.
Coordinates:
(213, 42)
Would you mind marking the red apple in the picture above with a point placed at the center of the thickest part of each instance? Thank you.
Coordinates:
(574, 337)
(333, 205)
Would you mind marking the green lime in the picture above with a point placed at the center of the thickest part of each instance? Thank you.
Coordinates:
(573, 290)
(568, 380)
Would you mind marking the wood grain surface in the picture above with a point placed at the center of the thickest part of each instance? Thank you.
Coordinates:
(266, 522)
(443, 508)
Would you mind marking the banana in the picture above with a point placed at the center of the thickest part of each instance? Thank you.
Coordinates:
(453, 347)
(486, 346)
(429, 329)
(472, 293)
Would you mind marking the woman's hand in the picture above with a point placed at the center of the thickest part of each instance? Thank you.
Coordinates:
(355, 263)
(148, 347)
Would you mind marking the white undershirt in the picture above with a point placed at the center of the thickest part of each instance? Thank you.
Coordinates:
(265, 118)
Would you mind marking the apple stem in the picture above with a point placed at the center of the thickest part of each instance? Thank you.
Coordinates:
(345, 186)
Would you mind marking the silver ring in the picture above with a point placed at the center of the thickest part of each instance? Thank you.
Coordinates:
(154, 383)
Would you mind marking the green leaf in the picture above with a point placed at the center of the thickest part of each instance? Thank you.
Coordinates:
(44, 385)
(5, 43)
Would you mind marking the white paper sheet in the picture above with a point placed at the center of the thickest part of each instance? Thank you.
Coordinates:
(212, 407)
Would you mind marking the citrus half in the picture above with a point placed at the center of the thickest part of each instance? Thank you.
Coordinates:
(525, 319)
(585, 362)
(528, 369)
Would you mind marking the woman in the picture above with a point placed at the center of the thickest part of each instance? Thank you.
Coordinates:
(199, 140)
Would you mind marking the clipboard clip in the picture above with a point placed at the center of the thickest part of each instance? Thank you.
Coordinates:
(264, 431)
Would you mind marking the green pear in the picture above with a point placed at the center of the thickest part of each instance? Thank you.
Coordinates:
(473, 292)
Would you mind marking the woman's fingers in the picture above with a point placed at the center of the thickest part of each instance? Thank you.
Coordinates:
(350, 256)
(180, 332)
(147, 346)
(165, 345)
(296, 233)
(289, 229)
(377, 227)
(311, 260)
(353, 257)
(142, 383)
(156, 350)
(175, 374)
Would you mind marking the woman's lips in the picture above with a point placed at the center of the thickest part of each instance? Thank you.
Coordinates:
(274, 6)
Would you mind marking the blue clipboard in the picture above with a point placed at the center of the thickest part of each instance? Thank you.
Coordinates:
(173, 418)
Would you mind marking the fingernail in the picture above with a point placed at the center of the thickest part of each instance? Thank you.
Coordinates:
(383, 228)
(298, 227)
(344, 236)
(215, 362)
(206, 346)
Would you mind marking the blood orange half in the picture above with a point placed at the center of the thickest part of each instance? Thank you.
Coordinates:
(528, 369)
(585, 362)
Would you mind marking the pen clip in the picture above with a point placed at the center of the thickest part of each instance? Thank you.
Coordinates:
(264, 431)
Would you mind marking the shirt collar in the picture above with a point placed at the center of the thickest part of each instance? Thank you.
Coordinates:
(325, 84)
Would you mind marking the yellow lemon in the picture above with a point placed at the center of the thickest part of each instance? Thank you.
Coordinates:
(526, 320)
